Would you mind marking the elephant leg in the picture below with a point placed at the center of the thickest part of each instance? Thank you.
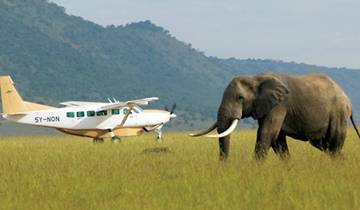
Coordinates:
(318, 143)
(337, 142)
(336, 136)
(268, 132)
(280, 146)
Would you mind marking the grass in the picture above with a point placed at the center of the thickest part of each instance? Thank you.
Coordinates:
(72, 173)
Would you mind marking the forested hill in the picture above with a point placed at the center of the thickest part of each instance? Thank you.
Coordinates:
(55, 57)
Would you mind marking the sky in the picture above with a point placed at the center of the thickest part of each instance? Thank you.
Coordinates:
(321, 32)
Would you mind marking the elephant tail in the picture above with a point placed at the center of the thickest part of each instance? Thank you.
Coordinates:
(354, 124)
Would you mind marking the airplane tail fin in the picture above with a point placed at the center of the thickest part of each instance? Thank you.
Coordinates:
(11, 100)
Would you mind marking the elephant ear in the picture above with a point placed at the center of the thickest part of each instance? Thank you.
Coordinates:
(271, 92)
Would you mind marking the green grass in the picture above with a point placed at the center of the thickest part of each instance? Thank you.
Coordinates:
(73, 173)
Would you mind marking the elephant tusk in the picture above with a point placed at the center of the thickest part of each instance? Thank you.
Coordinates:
(227, 132)
(205, 131)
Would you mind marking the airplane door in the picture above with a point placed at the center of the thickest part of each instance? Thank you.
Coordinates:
(101, 117)
(135, 117)
(132, 118)
(84, 119)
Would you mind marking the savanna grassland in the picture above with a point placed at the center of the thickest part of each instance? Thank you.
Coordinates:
(63, 172)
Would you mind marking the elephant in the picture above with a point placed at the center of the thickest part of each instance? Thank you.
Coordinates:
(310, 107)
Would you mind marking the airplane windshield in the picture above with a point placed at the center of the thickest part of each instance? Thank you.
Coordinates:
(138, 108)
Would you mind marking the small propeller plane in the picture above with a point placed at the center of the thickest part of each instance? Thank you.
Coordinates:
(96, 120)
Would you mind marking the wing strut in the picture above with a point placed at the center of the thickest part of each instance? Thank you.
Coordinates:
(131, 106)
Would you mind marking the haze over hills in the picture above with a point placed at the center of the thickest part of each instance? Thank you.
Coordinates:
(55, 57)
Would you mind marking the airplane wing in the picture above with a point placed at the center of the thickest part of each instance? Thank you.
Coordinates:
(80, 103)
(119, 104)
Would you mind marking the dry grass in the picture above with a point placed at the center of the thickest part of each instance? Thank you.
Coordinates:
(73, 173)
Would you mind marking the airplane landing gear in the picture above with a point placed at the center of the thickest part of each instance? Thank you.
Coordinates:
(157, 130)
(159, 135)
(98, 140)
(115, 139)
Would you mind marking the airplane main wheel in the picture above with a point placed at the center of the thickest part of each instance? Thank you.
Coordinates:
(115, 139)
(98, 140)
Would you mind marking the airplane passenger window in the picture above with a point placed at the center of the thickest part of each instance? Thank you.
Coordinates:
(115, 111)
(90, 113)
(80, 114)
(70, 114)
(101, 113)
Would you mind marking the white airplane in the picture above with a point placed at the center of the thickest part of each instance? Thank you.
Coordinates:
(113, 119)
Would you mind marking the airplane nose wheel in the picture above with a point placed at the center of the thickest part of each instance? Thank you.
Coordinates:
(98, 140)
(159, 135)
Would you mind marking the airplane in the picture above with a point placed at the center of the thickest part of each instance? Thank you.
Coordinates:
(113, 119)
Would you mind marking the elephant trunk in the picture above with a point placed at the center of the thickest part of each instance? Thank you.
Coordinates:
(226, 125)
(201, 133)
(224, 144)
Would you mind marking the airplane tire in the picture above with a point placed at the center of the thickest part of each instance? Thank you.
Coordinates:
(115, 139)
(98, 140)
(159, 139)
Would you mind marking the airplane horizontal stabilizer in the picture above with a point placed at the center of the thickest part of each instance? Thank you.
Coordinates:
(14, 114)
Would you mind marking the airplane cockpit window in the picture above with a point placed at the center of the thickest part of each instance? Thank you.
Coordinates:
(136, 110)
(90, 113)
(139, 109)
(101, 113)
(126, 110)
(70, 114)
(80, 114)
(115, 111)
